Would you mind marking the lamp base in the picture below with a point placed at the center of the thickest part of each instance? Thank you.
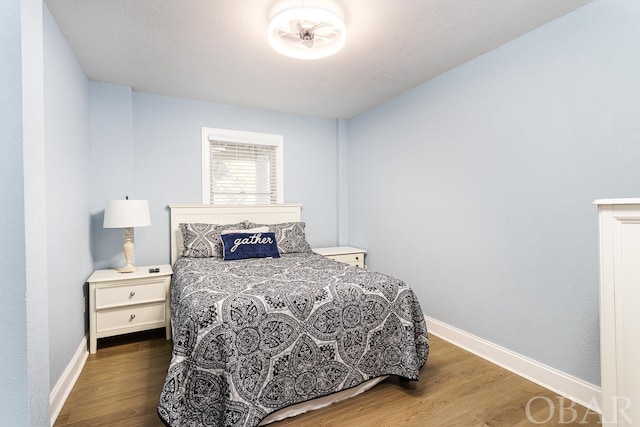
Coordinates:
(127, 269)
(127, 248)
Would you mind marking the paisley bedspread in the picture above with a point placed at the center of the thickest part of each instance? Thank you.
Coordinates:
(254, 336)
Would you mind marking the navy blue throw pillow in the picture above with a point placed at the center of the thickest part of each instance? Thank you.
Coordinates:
(249, 245)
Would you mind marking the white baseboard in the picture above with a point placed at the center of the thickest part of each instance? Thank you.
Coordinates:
(579, 391)
(67, 380)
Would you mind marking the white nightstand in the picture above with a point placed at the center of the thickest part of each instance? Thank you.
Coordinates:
(346, 254)
(121, 303)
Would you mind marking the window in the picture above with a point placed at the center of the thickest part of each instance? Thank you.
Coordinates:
(241, 167)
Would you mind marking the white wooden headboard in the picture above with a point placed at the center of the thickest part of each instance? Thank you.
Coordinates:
(227, 214)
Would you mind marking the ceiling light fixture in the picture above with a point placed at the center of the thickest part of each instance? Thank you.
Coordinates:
(307, 33)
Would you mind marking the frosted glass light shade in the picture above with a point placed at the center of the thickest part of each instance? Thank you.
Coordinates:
(327, 33)
(126, 213)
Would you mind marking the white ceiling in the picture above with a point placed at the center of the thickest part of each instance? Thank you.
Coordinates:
(217, 50)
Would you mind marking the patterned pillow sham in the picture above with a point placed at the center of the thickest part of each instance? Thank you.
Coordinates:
(249, 245)
(203, 240)
(289, 235)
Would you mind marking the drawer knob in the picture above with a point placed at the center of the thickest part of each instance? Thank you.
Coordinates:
(357, 257)
(132, 294)
(133, 316)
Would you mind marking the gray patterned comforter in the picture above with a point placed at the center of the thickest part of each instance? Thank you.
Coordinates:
(254, 336)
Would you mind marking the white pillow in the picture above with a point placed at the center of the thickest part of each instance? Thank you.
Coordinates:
(248, 230)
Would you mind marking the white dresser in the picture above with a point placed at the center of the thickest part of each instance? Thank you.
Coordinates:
(619, 232)
(345, 254)
(121, 303)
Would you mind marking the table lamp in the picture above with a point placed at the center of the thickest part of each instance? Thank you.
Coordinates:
(127, 214)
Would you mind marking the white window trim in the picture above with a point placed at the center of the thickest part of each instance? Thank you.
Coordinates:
(241, 137)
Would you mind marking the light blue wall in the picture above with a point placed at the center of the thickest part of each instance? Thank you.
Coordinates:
(342, 187)
(111, 166)
(35, 210)
(44, 207)
(166, 164)
(476, 187)
(68, 175)
(24, 385)
(13, 316)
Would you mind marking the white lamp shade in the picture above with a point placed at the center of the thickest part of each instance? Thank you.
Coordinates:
(126, 213)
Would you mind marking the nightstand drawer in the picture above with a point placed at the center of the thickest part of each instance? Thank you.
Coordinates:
(353, 259)
(130, 317)
(132, 293)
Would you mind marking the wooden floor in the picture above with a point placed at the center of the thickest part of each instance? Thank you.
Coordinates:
(121, 383)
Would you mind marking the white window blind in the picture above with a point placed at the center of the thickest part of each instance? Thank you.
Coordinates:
(243, 173)
(240, 167)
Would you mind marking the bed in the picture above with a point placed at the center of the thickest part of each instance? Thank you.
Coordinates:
(260, 339)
